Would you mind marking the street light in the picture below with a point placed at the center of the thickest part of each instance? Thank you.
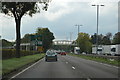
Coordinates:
(97, 26)
(78, 27)
(78, 31)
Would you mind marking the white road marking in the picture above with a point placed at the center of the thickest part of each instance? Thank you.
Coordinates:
(73, 67)
(66, 62)
(88, 79)
(25, 69)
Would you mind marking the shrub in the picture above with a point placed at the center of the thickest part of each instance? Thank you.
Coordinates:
(10, 53)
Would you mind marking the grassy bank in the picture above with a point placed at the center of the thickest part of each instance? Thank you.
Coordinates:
(98, 59)
(15, 63)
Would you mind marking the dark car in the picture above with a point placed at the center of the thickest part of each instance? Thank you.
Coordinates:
(51, 56)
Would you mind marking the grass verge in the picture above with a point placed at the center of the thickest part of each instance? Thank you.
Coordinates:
(16, 63)
(98, 59)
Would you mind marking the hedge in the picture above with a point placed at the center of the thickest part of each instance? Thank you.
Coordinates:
(10, 53)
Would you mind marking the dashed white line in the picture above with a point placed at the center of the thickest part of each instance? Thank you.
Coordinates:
(66, 62)
(73, 67)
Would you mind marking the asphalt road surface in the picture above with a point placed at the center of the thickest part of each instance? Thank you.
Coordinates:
(69, 67)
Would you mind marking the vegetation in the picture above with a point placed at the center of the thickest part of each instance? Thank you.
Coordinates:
(98, 59)
(19, 62)
(18, 10)
(102, 39)
(116, 39)
(10, 53)
(6, 43)
(84, 43)
(26, 38)
(47, 37)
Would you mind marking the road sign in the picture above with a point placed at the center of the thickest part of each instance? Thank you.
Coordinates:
(40, 48)
(36, 40)
(36, 37)
(33, 37)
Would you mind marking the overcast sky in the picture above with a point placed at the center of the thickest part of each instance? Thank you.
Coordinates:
(62, 17)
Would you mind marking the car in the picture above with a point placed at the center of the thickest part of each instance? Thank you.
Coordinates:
(63, 53)
(50, 56)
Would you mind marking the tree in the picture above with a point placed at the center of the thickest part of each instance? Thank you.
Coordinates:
(106, 40)
(109, 35)
(6, 43)
(116, 38)
(26, 38)
(17, 10)
(47, 37)
(84, 43)
(93, 38)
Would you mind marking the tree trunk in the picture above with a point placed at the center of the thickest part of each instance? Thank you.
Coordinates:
(18, 37)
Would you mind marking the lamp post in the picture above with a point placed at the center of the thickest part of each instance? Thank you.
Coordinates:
(78, 27)
(97, 26)
(78, 31)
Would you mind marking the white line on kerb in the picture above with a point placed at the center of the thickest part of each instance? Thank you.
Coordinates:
(73, 67)
(25, 69)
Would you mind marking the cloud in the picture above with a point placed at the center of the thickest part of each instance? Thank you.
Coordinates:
(61, 18)
(57, 11)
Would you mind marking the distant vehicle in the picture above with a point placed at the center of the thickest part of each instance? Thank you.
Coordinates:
(63, 53)
(115, 50)
(76, 50)
(99, 50)
(58, 51)
(83, 52)
(51, 55)
(107, 49)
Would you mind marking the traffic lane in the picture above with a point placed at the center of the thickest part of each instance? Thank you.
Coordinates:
(92, 69)
(59, 69)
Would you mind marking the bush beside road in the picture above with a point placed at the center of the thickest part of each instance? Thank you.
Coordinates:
(12, 64)
(98, 59)
(10, 53)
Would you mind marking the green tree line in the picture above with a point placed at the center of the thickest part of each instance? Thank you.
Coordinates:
(85, 41)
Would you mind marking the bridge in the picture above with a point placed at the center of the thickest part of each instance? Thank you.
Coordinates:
(65, 45)
(64, 42)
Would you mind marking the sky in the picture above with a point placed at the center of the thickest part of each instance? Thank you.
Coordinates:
(61, 18)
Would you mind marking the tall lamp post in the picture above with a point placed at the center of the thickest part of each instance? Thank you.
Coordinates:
(78, 30)
(97, 26)
(78, 27)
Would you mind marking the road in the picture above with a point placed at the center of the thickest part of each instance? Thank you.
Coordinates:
(69, 67)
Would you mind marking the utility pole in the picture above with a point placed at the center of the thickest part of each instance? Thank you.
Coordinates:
(71, 36)
(78, 31)
(97, 26)
(78, 27)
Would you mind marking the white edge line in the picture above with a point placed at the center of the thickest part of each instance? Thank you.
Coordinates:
(25, 69)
